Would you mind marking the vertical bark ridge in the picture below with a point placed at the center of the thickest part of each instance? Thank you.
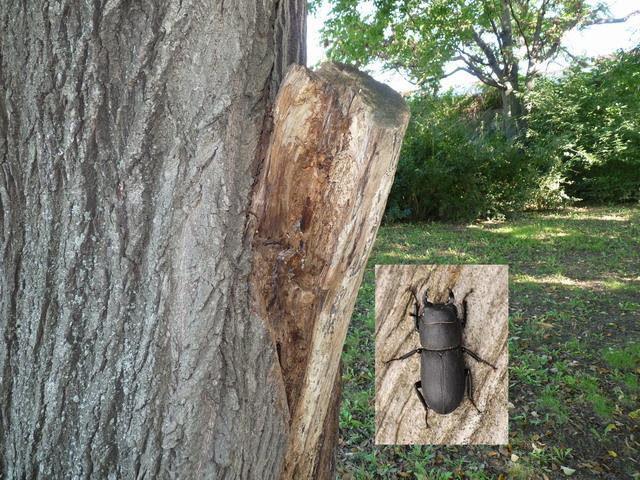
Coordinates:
(129, 136)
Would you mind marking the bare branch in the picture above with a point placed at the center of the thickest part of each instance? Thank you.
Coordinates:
(488, 52)
(496, 32)
(538, 30)
(480, 75)
(521, 30)
(456, 70)
(608, 20)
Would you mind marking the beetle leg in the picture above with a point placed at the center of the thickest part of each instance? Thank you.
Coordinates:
(414, 293)
(477, 357)
(418, 386)
(467, 374)
(419, 307)
(426, 299)
(416, 317)
(406, 355)
(466, 309)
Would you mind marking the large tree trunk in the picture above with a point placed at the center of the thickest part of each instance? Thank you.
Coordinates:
(131, 139)
(400, 417)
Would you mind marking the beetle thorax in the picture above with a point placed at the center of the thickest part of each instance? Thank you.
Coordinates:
(440, 328)
(445, 313)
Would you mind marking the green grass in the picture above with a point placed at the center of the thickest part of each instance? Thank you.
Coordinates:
(574, 348)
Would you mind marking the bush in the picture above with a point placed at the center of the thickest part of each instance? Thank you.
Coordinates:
(582, 142)
(589, 121)
(456, 164)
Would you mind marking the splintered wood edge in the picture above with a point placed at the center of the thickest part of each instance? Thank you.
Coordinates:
(387, 105)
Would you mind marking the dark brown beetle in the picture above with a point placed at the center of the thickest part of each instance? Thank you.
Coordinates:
(444, 376)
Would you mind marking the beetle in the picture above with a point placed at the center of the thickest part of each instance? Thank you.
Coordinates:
(444, 377)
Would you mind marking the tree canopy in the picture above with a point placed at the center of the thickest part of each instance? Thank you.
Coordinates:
(492, 39)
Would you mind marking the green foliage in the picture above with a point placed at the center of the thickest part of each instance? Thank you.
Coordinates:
(421, 37)
(582, 142)
(588, 123)
(456, 164)
(627, 358)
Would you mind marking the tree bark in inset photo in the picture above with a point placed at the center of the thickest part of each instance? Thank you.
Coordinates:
(180, 250)
(400, 415)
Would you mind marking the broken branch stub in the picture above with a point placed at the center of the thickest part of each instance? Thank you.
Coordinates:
(318, 202)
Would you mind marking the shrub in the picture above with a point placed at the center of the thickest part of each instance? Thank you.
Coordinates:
(456, 164)
(589, 121)
(582, 142)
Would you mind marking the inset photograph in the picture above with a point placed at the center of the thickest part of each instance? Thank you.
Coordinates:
(441, 354)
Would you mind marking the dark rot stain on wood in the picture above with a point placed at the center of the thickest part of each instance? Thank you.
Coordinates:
(307, 212)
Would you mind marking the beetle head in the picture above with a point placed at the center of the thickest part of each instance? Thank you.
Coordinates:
(440, 312)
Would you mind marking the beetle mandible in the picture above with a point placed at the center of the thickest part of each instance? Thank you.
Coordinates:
(444, 376)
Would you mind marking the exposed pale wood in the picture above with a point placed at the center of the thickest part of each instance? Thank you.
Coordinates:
(318, 204)
(399, 414)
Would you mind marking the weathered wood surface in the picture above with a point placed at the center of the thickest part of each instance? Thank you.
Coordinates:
(318, 204)
(399, 413)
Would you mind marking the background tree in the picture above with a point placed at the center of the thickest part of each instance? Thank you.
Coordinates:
(503, 43)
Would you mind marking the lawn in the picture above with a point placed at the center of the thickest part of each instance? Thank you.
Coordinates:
(574, 348)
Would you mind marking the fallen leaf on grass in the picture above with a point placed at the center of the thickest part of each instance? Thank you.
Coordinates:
(514, 457)
(567, 471)
(613, 454)
(635, 414)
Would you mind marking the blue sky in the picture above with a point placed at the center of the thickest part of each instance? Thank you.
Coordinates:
(594, 41)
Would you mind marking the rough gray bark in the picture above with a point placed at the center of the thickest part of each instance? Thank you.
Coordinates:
(130, 134)
(399, 413)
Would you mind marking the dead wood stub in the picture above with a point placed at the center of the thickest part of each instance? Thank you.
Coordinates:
(318, 203)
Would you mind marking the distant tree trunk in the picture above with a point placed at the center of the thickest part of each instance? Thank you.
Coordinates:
(400, 417)
(513, 112)
(133, 339)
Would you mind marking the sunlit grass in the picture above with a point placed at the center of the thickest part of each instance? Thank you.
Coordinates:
(574, 311)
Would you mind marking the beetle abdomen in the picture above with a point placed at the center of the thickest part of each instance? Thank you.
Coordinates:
(443, 380)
